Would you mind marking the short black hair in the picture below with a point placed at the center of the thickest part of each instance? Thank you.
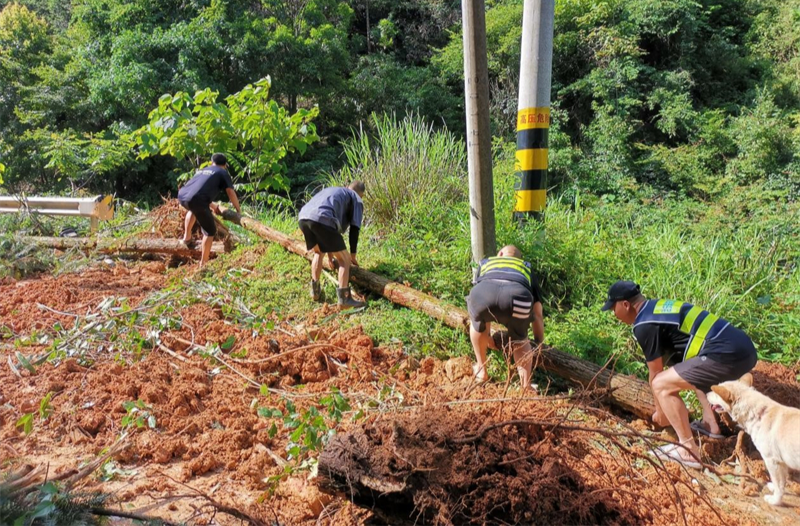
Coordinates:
(219, 159)
(358, 186)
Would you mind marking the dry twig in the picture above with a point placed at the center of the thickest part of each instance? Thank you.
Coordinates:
(228, 510)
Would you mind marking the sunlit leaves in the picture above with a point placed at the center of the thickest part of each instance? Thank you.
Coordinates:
(253, 129)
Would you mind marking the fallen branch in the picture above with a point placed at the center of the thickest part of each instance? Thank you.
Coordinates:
(120, 246)
(27, 476)
(172, 353)
(239, 514)
(96, 463)
(105, 512)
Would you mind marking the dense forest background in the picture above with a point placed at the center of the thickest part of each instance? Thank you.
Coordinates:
(672, 97)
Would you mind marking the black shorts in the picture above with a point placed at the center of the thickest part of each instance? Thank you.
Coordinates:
(203, 215)
(505, 302)
(728, 357)
(328, 239)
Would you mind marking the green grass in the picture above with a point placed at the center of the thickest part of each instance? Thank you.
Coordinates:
(404, 164)
(736, 257)
(279, 284)
(586, 247)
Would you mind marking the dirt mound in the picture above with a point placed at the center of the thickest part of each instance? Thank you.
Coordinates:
(409, 451)
(37, 304)
(778, 382)
(420, 469)
(168, 222)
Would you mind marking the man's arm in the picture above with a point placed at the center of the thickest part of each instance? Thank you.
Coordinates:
(354, 232)
(234, 199)
(649, 338)
(537, 323)
(656, 367)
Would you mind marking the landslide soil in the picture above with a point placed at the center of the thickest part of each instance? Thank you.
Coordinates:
(415, 445)
(168, 219)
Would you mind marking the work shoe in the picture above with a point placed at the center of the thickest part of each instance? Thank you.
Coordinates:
(316, 291)
(346, 299)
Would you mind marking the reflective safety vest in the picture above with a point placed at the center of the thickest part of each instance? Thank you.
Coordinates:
(507, 268)
(700, 325)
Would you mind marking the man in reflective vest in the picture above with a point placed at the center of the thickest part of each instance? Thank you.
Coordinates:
(505, 291)
(702, 349)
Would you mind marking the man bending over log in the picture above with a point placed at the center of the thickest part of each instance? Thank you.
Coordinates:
(323, 220)
(505, 291)
(197, 197)
(702, 349)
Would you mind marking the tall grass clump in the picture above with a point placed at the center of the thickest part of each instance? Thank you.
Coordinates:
(410, 169)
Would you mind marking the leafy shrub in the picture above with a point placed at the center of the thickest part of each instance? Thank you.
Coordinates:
(764, 141)
(255, 132)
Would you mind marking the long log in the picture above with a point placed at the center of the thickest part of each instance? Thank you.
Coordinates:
(626, 392)
(120, 246)
(391, 290)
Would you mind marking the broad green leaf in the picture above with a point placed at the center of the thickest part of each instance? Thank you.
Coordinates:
(228, 343)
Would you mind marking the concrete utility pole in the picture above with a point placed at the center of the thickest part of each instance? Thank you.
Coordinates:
(479, 143)
(533, 117)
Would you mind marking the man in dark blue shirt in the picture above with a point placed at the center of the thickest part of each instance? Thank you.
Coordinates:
(197, 196)
(323, 220)
(702, 350)
(506, 291)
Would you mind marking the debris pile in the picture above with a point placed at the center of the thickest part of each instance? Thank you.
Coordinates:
(242, 410)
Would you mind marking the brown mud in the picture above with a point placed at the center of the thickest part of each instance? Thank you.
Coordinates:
(420, 451)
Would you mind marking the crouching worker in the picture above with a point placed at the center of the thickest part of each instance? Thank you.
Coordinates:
(702, 349)
(323, 220)
(507, 292)
(197, 196)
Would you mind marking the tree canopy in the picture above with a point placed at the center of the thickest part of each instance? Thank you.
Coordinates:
(693, 97)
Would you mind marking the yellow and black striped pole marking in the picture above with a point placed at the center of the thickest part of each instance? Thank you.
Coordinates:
(533, 125)
(533, 117)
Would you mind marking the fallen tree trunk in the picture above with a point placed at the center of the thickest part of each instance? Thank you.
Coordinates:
(626, 392)
(393, 291)
(120, 246)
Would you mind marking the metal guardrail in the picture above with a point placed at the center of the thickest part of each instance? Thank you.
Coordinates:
(95, 208)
